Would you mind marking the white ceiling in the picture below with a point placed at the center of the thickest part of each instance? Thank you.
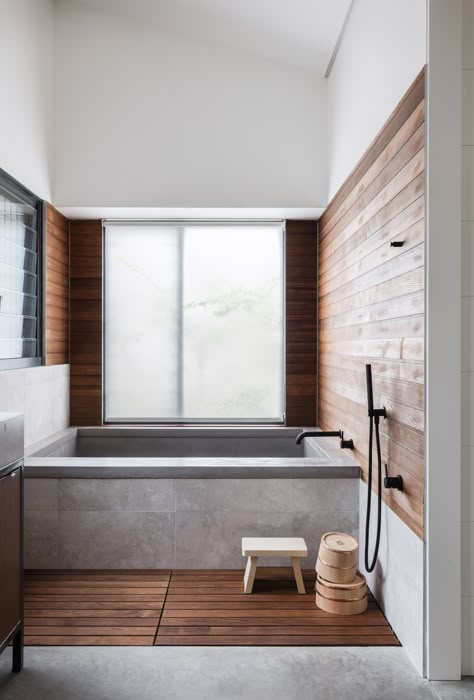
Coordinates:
(299, 33)
(189, 213)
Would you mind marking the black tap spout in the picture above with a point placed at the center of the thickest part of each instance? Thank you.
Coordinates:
(324, 433)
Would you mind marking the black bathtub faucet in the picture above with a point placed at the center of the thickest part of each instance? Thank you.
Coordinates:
(345, 444)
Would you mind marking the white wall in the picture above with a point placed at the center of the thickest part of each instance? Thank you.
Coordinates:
(383, 50)
(26, 112)
(467, 310)
(26, 79)
(41, 394)
(198, 125)
(443, 342)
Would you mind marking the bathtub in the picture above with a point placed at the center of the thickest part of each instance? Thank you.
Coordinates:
(139, 497)
(189, 453)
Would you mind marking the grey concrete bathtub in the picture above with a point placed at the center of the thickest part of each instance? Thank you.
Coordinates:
(181, 497)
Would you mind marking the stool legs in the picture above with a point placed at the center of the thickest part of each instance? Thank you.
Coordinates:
(295, 562)
(250, 571)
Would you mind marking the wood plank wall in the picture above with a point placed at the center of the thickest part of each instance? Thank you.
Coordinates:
(301, 322)
(56, 349)
(371, 302)
(86, 322)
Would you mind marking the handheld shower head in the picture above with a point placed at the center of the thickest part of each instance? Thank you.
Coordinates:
(390, 482)
(370, 392)
(372, 412)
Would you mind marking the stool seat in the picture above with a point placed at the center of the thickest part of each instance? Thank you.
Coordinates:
(276, 546)
(255, 547)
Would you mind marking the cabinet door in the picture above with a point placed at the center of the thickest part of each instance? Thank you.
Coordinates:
(10, 552)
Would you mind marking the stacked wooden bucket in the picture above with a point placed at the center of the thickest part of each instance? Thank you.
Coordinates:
(340, 589)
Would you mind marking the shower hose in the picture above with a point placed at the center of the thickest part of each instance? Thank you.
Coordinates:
(374, 423)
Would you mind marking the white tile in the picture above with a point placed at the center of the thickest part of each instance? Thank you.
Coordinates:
(467, 107)
(12, 391)
(46, 401)
(38, 375)
(39, 408)
(41, 394)
(467, 487)
(467, 258)
(467, 632)
(467, 408)
(467, 198)
(397, 581)
(61, 398)
(467, 559)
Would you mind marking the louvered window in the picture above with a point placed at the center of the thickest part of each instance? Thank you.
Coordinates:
(20, 268)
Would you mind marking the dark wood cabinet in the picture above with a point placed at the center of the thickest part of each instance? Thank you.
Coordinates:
(11, 564)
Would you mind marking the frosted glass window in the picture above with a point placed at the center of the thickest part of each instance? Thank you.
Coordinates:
(194, 323)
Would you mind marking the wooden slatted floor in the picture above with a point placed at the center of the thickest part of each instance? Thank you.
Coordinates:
(183, 608)
(94, 608)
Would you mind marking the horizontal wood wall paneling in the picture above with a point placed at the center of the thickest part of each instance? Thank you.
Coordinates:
(301, 322)
(390, 181)
(401, 137)
(413, 327)
(389, 290)
(390, 221)
(86, 323)
(409, 394)
(384, 368)
(411, 237)
(371, 303)
(410, 173)
(410, 502)
(407, 415)
(398, 441)
(56, 274)
(408, 305)
(402, 113)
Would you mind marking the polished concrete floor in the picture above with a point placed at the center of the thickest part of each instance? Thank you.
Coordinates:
(211, 673)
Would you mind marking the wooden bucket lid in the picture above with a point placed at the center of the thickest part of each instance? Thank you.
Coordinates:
(358, 582)
(339, 542)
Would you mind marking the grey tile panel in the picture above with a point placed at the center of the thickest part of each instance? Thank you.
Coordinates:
(41, 539)
(116, 494)
(113, 540)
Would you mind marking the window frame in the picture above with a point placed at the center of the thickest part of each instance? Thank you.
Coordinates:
(27, 196)
(173, 421)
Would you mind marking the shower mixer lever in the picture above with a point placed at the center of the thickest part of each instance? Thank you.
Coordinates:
(392, 482)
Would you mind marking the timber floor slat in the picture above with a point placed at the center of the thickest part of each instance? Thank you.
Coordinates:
(93, 608)
(209, 608)
(188, 608)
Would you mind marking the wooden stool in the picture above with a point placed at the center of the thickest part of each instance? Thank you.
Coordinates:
(255, 547)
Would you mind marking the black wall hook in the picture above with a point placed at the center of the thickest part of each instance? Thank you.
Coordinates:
(396, 244)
